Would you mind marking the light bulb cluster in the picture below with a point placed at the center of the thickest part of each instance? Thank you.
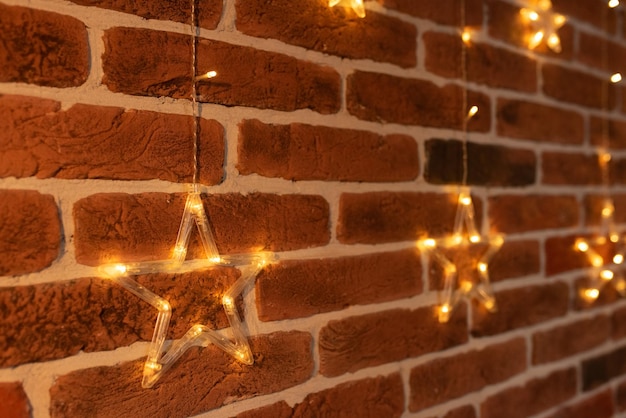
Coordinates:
(544, 24)
(457, 286)
(159, 360)
(356, 5)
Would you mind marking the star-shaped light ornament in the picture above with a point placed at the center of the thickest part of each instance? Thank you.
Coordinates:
(544, 24)
(160, 360)
(606, 254)
(356, 5)
(462, 284)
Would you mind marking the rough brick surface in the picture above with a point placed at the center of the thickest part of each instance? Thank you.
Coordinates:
(557, 168)
(466, 411)
(514, 260)
(598, 406)
(538, 122)
(535, 396)
(576, 87)
(607, 132)
(277, 410)
(376, 37)
(561, 255)
(97, 315)
(39, 139)
(208, 12)
(521, 213)
(486, 64)
(445, 12)
(447, 378)
(294, 289)
(378, 217)
(593, 205)
(215, 377)
(620, 396)
(43, 48)
(153, 63)
(487, 165)
(305, 152)
(588, 11)
(146, 224)
(522, 308)
(353, 343)
(13, 401)
(598, 370)
(570, 339)
(618, 322)
(601, 53)
(30, 231)
(426, 104)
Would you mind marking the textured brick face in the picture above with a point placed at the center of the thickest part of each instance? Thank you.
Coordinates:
(215, 377)
(146, 224)
(43, 48)
(377, 37)
(446, 12)
(13, 401)
(353, 343)
(514, 213)
(39, 139)
(305, 152)
(600, 369)
(598, 406)
(294, 289)
(30, 232)
(153, 63)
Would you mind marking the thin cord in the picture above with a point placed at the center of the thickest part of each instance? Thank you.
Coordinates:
(194, 93)
(464, 104)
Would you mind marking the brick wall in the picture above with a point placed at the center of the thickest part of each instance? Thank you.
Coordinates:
(335, 142)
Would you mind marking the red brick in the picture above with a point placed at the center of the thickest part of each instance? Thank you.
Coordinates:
(601, 369)
(488, 165)
(522, 213)
(592, 52)
(562, 256)
(573, 86)
(609, 133)
(315, 26)
(589, 11)
(353, 343)
(30, 232)
(97, 315)
(506, 23)
(466, 411)
(445, 12)
(594, 204)
(383, 98)
(519, 308)
(208, 12)
(39, 139)
(448, 378)
(598, 406)
(537, 122)
(294, 289)
(153, 63)
(485, 64)
(215, 377)
(620, 397)
(13, 401)
(43, 48)
(618, 322)
(535, 396)
(567, 340)
(378, 217)
(305, 152)
(514, 260)
(146, 224)
(276, 410)
(570, 168)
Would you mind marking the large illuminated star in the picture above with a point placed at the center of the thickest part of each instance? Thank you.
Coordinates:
(459, 286)
(545, 24)
(606, 254)
(158, 360)
(356, 5)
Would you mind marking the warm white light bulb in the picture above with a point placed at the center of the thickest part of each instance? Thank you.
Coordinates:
(582, 246)
(466, 36)
(591, 294)
(429, 243)
(618, 259)
(482, 267)
(606, 274)
(613, 3)
(465, 200)
(474, 239)
(616, 78)
(472, 112)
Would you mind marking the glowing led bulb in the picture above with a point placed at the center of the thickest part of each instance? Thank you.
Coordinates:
(228, 302)
(597, 261)
(113, 270)
(466, 36)
(472, 112)
(206, 76)
(591, 294)
(474, 238)
(616, 78)
(618, 259)
(614, 238)
(607, 211)
(356, 5)
(544, 24)
(582, 246)
(429, 243)
(490, 304)
(613, 3)
(482, 267)
(465, 200)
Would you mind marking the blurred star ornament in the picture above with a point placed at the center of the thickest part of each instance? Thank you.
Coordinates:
(458, 286)
(544, 23)
(356, 5)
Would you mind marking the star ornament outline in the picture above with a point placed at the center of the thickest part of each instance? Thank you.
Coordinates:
(545, 23)
(602, 272)
(464, 236)
(159, 359)
(356, 5)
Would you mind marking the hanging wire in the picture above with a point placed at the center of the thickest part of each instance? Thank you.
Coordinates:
(604, 156)
(194, 93)
(464, 105)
